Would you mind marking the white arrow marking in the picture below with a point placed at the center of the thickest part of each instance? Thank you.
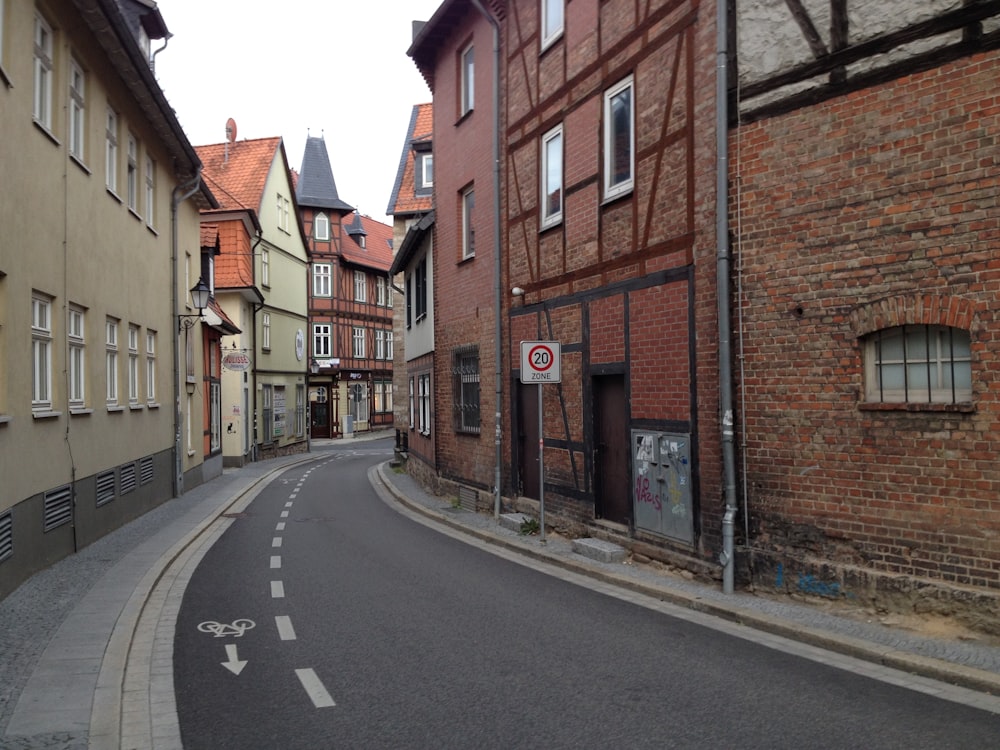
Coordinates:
(234, 665)
(314, 688)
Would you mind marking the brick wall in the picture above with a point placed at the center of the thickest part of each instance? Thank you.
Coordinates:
(873, 210)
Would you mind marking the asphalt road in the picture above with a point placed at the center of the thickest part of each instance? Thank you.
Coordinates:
(372, 631)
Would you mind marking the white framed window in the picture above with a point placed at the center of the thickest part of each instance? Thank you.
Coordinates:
(267, 409)
(42, 112)
(265, 267)
(619, 139)
(321, 227)
(552, 177)
(552, 21)
(388, 344)
(133, 365)
(927, 364)
(321, 279)
(300, 410)
(132, 173)
(424, 172)
(360, 286)
(76, 337)
(412, 396)
(111, 360)
(358, 342)
(150, 366)
(215, 416)
(381, 291)
(41, 353)
(77, 109)
(359, 401)
(468, 225)
(265, 331)
(284, 209)
(111, 151)
(467, 82)
(465, 389)
(150, 190)
(380, 343)
(322, 335)
(424, 403)
(383, 396)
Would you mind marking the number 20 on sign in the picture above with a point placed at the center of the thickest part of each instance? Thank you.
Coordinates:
(541, 362)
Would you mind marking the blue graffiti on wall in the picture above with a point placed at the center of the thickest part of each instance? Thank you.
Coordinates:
(810, 584)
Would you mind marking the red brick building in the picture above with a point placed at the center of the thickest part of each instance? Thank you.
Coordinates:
(866, 220)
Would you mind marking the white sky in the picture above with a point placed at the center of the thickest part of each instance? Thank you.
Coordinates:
(336, 68)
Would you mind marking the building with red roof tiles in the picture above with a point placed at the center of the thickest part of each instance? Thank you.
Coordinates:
(260, 277)
(350, 305)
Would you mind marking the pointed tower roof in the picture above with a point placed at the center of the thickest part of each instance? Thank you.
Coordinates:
(356, 228)
(316, 187)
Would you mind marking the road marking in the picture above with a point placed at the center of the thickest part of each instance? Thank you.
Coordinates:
(277, 590)
(275, 562)
(288, 505)
(276, 542)
(285, 630)
(233, 663)
(223, 630)
(293, 496)
(314, 688)
(280, 527)
(284, 514)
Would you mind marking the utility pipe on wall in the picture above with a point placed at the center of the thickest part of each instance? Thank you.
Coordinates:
(498, 267)
(722, 291)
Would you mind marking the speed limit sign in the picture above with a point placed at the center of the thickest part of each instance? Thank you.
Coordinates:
(541, 362)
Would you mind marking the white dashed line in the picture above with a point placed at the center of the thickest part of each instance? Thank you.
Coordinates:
(314, 688)
(288, 505)
(275, 562)
(285, 630)
(284, 514)
(277, 590)
(276, 542)
(280, 527)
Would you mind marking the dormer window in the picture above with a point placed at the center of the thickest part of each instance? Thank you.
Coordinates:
(321, 227)
(424, 172)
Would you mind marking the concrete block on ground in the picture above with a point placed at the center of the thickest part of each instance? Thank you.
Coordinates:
(598, 549)
(512, 521)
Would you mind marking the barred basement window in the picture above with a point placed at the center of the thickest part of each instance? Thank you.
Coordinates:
(918, 364)
(146, 470)
(465, 389)
(58, 507)
(6, 535)
(105, 487)
(128, 478)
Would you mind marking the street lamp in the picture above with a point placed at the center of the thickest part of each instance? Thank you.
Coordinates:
(199, 296)
(314, 366)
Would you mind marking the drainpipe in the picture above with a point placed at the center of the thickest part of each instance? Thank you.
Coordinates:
(497, 296)
(723, 290)
(180, 194)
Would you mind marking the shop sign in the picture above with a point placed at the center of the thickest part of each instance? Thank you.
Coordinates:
(236, 361)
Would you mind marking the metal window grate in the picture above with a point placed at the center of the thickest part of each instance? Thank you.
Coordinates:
(128, 478)
(146, 470)
(105, 487)
(6, 535)
(58, 507)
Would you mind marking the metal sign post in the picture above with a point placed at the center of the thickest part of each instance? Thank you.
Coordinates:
(541, 362)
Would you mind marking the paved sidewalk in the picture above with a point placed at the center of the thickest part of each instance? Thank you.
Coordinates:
(86, 646)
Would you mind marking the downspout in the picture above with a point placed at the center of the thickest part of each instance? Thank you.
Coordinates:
(498, 267)
(179, 194)
(723, 290)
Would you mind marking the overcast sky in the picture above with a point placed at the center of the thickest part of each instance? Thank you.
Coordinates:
(336, 68)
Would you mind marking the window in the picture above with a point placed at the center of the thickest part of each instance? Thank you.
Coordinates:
(283, 212)
(41, 353)
(151, 366)
(300, 410)
(416, 292)
(265, 267)
(618, 147)
(267, 408)
(360, 287)
(132, 174)
(321, 339)
(215, 416)
(424, 173)
(43, 73)
(412, 403)
(388, 344)
(381, 291)
(111, 360)
(133, 365)
(467, 88)
(321, 279)
(383, 396)
(552, 21)
(918, 364)
(359, 402)
(465, 386)
(468, 227)
(358, 342)
(150, 190)
(380, 344)
(321, 227)
(75, 333)
(552, 178)
(77, 110)
(424, 403)
(265, 331)
(111, 151)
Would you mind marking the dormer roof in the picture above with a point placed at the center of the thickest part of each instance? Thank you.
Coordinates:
(419, 139)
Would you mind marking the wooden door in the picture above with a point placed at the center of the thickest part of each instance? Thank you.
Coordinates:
(612, 499)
